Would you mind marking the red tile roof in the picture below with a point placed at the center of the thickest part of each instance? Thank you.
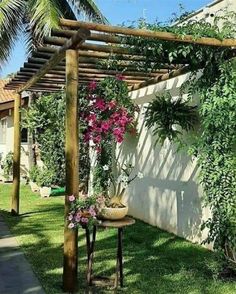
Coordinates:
(5, 95)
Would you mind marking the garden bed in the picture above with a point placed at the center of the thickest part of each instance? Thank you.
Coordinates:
(155, 261)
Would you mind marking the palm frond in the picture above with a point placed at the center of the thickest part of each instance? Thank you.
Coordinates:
(66, 9)
(11, 13)
(44, 16)
(35, 28)
(90, 8)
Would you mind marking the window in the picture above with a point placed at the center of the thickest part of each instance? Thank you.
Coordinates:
(24, 135)
(3, 130)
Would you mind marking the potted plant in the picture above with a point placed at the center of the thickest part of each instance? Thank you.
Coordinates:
(33, 174)
(7, 167)
(114, 207)
(83, 211)
(44, 181)
(109, 116)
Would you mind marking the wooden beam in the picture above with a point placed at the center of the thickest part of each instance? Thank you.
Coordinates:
(88, 46)
(90, 57)
(161, 78)
(107, 38)
(15, 203)
(72, 43)
(72, 172)
(147, 34)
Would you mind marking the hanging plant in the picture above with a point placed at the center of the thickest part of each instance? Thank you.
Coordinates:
(110, 113)
(108, 117)
(169, 118)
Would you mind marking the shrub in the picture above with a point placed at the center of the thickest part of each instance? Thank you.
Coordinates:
(33, 173)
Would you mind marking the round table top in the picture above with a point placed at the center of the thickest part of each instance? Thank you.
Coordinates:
(126, 221)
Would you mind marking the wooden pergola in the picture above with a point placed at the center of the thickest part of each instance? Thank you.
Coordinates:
(73, 55)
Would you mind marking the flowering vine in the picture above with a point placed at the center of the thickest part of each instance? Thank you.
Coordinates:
(110, 113)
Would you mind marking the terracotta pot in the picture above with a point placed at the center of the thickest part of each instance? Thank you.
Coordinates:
(34, 187)
(113, 213)
(45, 191)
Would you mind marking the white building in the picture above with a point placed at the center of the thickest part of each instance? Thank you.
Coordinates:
(7, 127)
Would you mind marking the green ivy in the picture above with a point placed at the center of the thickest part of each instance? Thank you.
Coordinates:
(217, 158)
(215, 83)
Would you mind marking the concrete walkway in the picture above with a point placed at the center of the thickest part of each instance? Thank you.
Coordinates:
(16, 275)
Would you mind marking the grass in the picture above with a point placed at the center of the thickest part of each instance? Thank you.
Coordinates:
(155, 261)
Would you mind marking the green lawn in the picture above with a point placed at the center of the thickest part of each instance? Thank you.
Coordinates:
(155, 261)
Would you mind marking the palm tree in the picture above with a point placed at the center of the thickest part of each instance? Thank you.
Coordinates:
(36, 18)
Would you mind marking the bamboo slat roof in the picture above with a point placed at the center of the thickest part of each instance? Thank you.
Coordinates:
(96, 43)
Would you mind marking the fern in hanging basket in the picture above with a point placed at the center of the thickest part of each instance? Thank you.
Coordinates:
(169, 118)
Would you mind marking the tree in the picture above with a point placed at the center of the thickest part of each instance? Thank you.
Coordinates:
(36, 18)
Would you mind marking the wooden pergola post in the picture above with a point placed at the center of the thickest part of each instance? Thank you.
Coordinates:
(16, 156)
(72, 180)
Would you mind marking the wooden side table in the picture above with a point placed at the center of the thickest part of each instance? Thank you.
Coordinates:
(119, 225)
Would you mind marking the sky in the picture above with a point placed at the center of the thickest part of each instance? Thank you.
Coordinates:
(117, 12)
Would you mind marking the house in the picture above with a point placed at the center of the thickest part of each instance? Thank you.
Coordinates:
(7, 127)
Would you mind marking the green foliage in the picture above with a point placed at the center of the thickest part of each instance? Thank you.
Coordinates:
(165, 52)
(46, 120)
(36, 18)
(169, 117)
(101, 176)
(45, 177)
(7, 164)
(217, 157)
(216, 86)
(33, 173)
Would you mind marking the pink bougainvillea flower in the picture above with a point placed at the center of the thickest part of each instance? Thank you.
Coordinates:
(105, 126)
(98, 149)
(71, 225)
(100, 104)
(119, 138)
(118, 131)
(91, 117)
(92, 85)
(112, 104)
(97, 129)
(123, 121)
(120, 77)
(87, 137)
(97, 139)
(84, 220)
(71, 198)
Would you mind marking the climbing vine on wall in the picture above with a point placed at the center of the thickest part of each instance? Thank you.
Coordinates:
(217, 157)
(213, 78)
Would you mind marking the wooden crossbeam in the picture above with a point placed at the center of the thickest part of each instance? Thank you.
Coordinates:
(76, 39)
(161, 78)
(90, 57)
(72, 24)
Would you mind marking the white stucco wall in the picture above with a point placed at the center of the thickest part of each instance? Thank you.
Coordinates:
(5, 148)
(168, 196)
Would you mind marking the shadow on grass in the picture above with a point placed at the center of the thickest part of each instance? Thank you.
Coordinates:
(154, 261)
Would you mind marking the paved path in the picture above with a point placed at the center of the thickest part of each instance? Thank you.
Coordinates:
(16, 275)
